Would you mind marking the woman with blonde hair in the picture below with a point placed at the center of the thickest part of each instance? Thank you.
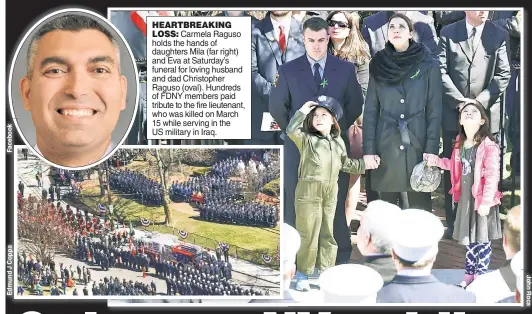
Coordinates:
(348, 44)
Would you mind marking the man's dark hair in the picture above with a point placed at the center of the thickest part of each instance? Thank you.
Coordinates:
(71, 23)
(315, 24)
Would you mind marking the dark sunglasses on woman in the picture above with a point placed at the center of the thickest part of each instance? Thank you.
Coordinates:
(333, 23)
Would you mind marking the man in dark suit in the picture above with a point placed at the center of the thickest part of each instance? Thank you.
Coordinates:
(254, 20)
(270, 48)
(375, 30)
(374, 237)
(475, 67)
(21, 188)
(442, 18)
(302, 16)
(511, 22)
(58, 192)
(313, 74)
(414, 249)
(51, 192)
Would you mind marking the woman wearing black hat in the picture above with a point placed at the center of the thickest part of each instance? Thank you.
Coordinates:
(315, 131)
(402, 114)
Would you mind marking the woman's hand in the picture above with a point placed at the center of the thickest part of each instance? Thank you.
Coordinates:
(372, 161)
(483, 210)
(431, 160)
(358, 214)
(307, 107)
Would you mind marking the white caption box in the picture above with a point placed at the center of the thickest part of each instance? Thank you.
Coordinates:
(199, 77)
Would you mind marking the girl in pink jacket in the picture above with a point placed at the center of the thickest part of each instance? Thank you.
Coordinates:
(474, 167)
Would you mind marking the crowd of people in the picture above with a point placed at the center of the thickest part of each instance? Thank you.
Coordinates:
(399, 250)
(206, 187)
(111, 251)
(112, 286)
(123, 157)
(210, 275)
(201, 278)
(97, 245)
(36, 275)
(137, 185)
(247, 213)
(221, 199)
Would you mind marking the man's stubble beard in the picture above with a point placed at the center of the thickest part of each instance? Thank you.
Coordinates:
(280, 14)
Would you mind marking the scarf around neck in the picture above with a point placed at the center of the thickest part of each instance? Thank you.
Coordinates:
(390, 67)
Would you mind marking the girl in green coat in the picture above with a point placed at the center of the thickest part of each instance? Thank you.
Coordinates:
(315, 131)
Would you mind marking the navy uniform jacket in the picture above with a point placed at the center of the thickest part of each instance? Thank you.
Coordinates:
(295, 86)
(508, 21)
(422, 289)
(442, 18)
(375, 30)
(383, 264)
(266, 57)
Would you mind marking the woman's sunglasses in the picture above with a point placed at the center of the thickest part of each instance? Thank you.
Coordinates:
(333, 23)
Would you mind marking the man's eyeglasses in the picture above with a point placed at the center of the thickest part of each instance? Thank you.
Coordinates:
(333, 23)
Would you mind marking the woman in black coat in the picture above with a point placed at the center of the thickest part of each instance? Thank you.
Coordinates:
(348, 44)
(402, 114)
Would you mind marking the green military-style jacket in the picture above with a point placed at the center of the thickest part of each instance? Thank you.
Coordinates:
(322, 157)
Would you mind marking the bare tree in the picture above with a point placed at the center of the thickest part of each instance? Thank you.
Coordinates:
(167, 159)
(274, 162)
(43, 231)
(101, 180)
(252, 183)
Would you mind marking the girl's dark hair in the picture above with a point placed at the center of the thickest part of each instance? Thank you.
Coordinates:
(307, 124)
(482, 133)
(404, 17)
(354, 47)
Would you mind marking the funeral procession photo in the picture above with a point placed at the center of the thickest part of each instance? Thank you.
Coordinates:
(161, 222)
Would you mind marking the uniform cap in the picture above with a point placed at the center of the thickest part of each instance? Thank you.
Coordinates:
(330, 104)
(416, 234)
(350, 283)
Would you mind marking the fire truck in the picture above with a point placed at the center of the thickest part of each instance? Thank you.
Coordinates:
(180, 253)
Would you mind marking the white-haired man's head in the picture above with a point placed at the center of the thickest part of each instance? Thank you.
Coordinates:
(374, 234)
(517, 268)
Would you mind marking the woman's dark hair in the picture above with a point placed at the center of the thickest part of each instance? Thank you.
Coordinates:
(354, 47)
(309, 128)
(482, 133)
(404, 17)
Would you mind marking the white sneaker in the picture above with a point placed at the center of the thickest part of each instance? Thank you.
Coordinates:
(462, 285)
(302, 285)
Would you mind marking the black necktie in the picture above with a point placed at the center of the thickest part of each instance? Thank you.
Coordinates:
(472, 39)
(317, 76)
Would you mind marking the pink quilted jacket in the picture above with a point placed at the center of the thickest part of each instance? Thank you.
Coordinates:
(486, 174)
